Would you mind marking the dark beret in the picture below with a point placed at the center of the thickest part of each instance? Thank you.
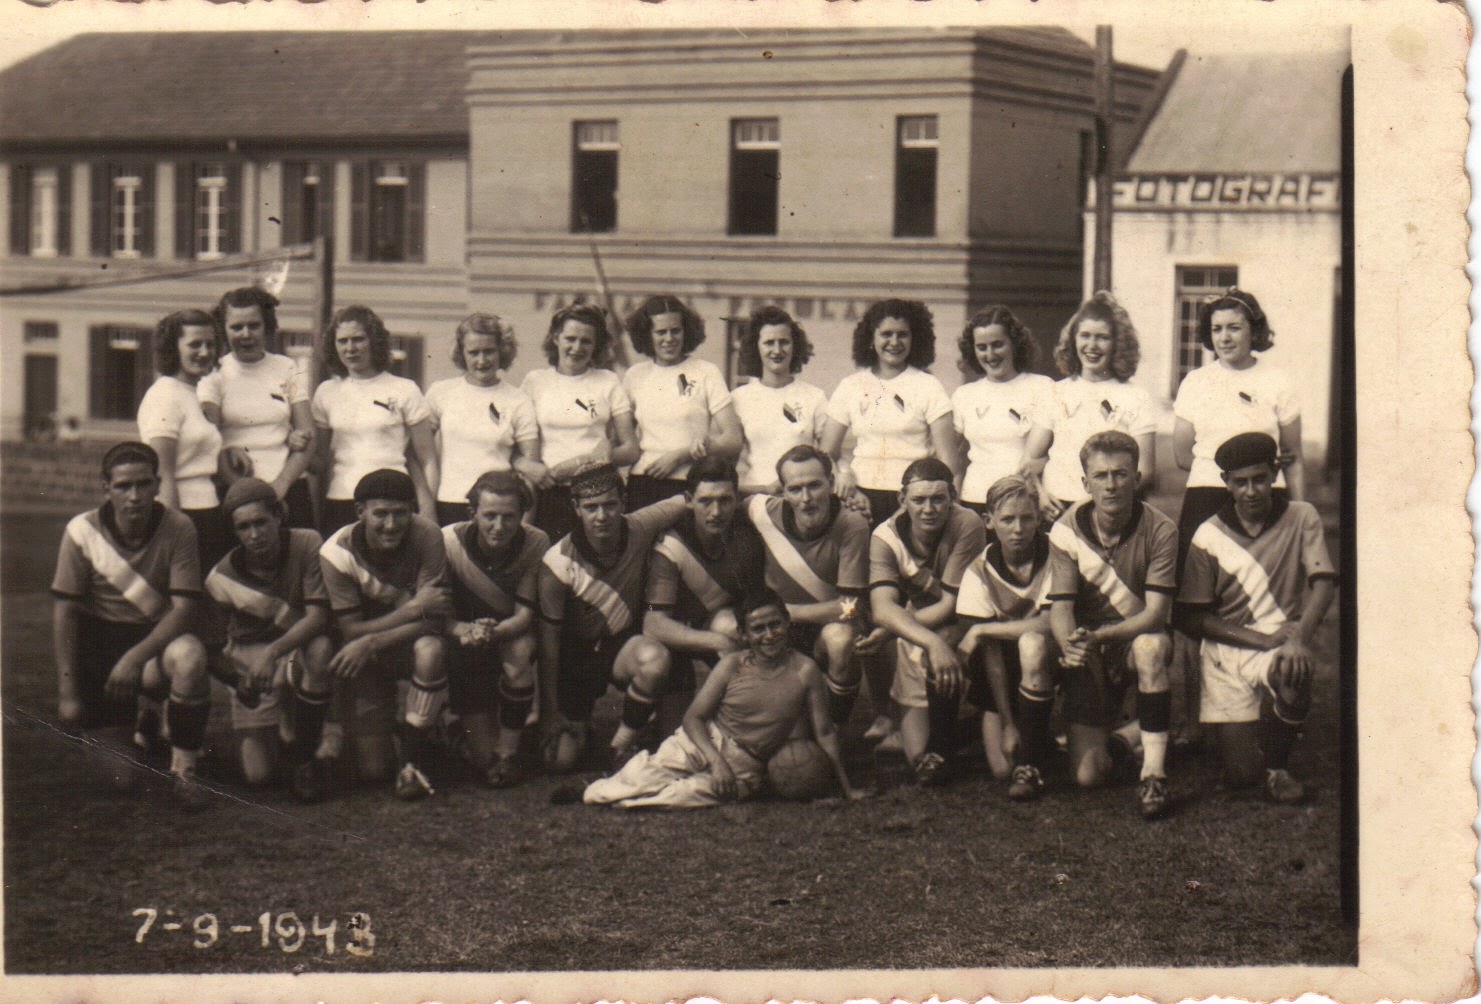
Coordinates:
(387, 485)
(1246, 450)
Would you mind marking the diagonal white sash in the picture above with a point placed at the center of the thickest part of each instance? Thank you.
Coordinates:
(1096, 570)
(699, 581)
(784, 552)
(1265, 613)
(238, 595)
(371, 586)
(591, 590)
(111, 565)
(470, 575)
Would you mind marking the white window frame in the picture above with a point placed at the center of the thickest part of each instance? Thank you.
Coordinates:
(598, 134)
(756, 134)
(920, 132)
(45, 212)
(210, 211)
(124, 229)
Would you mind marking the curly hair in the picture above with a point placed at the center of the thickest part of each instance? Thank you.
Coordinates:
(582, 313)
(1261, 337)
(1025, 349)
(640, 323)
(485, 324)
(244, 297)
(748, 360)
(375, 330)
(169, 331)
(1126, 351)
(922, 332)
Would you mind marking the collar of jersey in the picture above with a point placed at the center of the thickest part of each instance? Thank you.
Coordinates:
(156, 517)
(1085, 518)
(1230, 516)
(995, 558)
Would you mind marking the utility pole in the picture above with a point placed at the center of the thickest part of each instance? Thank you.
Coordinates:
(323, 302)
(1104, 105)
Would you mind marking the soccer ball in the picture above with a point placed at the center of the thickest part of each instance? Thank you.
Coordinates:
(800, 771)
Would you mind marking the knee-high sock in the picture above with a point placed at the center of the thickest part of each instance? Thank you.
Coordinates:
(1154, 710)
(1033, 711)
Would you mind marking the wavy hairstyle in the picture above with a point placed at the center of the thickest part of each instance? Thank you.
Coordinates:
(241, 298)
(1261, 337)
(583, 313)
(1126, 351)
(748, 359)
(485, 324)
(375, 330)
(1025, 349)
(922, 332)
(167, 334)
(640, 323)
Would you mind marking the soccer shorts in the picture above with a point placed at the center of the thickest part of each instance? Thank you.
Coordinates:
(909, 687)
(473, 674)
(1094, 692)
(979, 691)
(1234, 681)
(268, 712)
(585, 672)
(677, 776)
(99, 646)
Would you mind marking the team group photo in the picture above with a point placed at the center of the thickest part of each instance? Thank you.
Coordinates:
(407, 528)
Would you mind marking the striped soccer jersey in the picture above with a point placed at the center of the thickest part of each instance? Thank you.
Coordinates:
(1256, 582)
(482, 588)
(129, 586)
(923, 579)
(815, 570)
(1109, 584)
(603, 600)
(989, 591)
(260, 611)
(694, 586)
(373, 585)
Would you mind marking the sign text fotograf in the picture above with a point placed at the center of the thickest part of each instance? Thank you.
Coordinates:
(1227, 192)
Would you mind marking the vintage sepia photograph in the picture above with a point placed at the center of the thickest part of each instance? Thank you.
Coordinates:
(645, 495)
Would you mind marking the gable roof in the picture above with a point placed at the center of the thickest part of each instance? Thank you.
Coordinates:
(1249, 112)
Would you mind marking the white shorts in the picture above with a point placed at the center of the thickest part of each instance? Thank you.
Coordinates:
(269, 711)
(677, 776)
(1234, 681)
(909, 687)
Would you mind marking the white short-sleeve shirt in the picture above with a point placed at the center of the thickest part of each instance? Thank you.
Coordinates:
(256, 401)
(477, 430)
(1080, 408)
(1220, 402)
(672, 406)
(171, 410)
(370, 421)
(573, 411)
(775, 419)
(891, 422)
(995, 418)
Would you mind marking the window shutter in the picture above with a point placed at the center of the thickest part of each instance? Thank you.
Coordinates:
(20, 209)
(416, 212)
(292, 203)
(231, 211)
(184, 209)
(146, 211)
(326, 196)
(97, 370)
(360, 212)
(64, 209)
(100, 226)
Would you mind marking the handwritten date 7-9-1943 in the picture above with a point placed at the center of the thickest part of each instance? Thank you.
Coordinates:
(285, 930)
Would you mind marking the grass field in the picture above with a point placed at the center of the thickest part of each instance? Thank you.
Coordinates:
(504, 881)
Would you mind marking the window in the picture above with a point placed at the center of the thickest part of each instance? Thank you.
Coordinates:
(408, 354)
(40, 210)
(915, 176)
(755, 159)
(120, 370)
(308, 201)
(1195, 285)
(594, 178)
(387, 211)
(40, 393)
(39, 331)
(122, 219)
(207, 209)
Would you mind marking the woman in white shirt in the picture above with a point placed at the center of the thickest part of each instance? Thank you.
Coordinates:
(260, 402)
(582, 411)
(365, 418)
(897, 412)
(171, 421)
(995, 411)
(1234, 393)
(1098, 353)
(681, 404)
(777, 411)
(483, 423)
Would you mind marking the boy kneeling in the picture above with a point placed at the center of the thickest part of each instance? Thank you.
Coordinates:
(747, 709)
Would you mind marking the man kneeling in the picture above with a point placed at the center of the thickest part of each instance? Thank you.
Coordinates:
(746, 710)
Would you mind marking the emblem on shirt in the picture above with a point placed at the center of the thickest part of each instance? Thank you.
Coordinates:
(383, 404)
(686, 387)
(494, 411)
(790, 412)
(589, 406)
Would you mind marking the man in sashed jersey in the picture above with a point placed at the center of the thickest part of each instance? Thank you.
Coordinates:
(591, 587)
(817, 560)
(493, 563)
(699, 572)
(127, 588)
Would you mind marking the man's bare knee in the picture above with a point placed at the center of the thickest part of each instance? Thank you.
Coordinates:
(519, 661)
(1093, 769)
(1150, 654)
